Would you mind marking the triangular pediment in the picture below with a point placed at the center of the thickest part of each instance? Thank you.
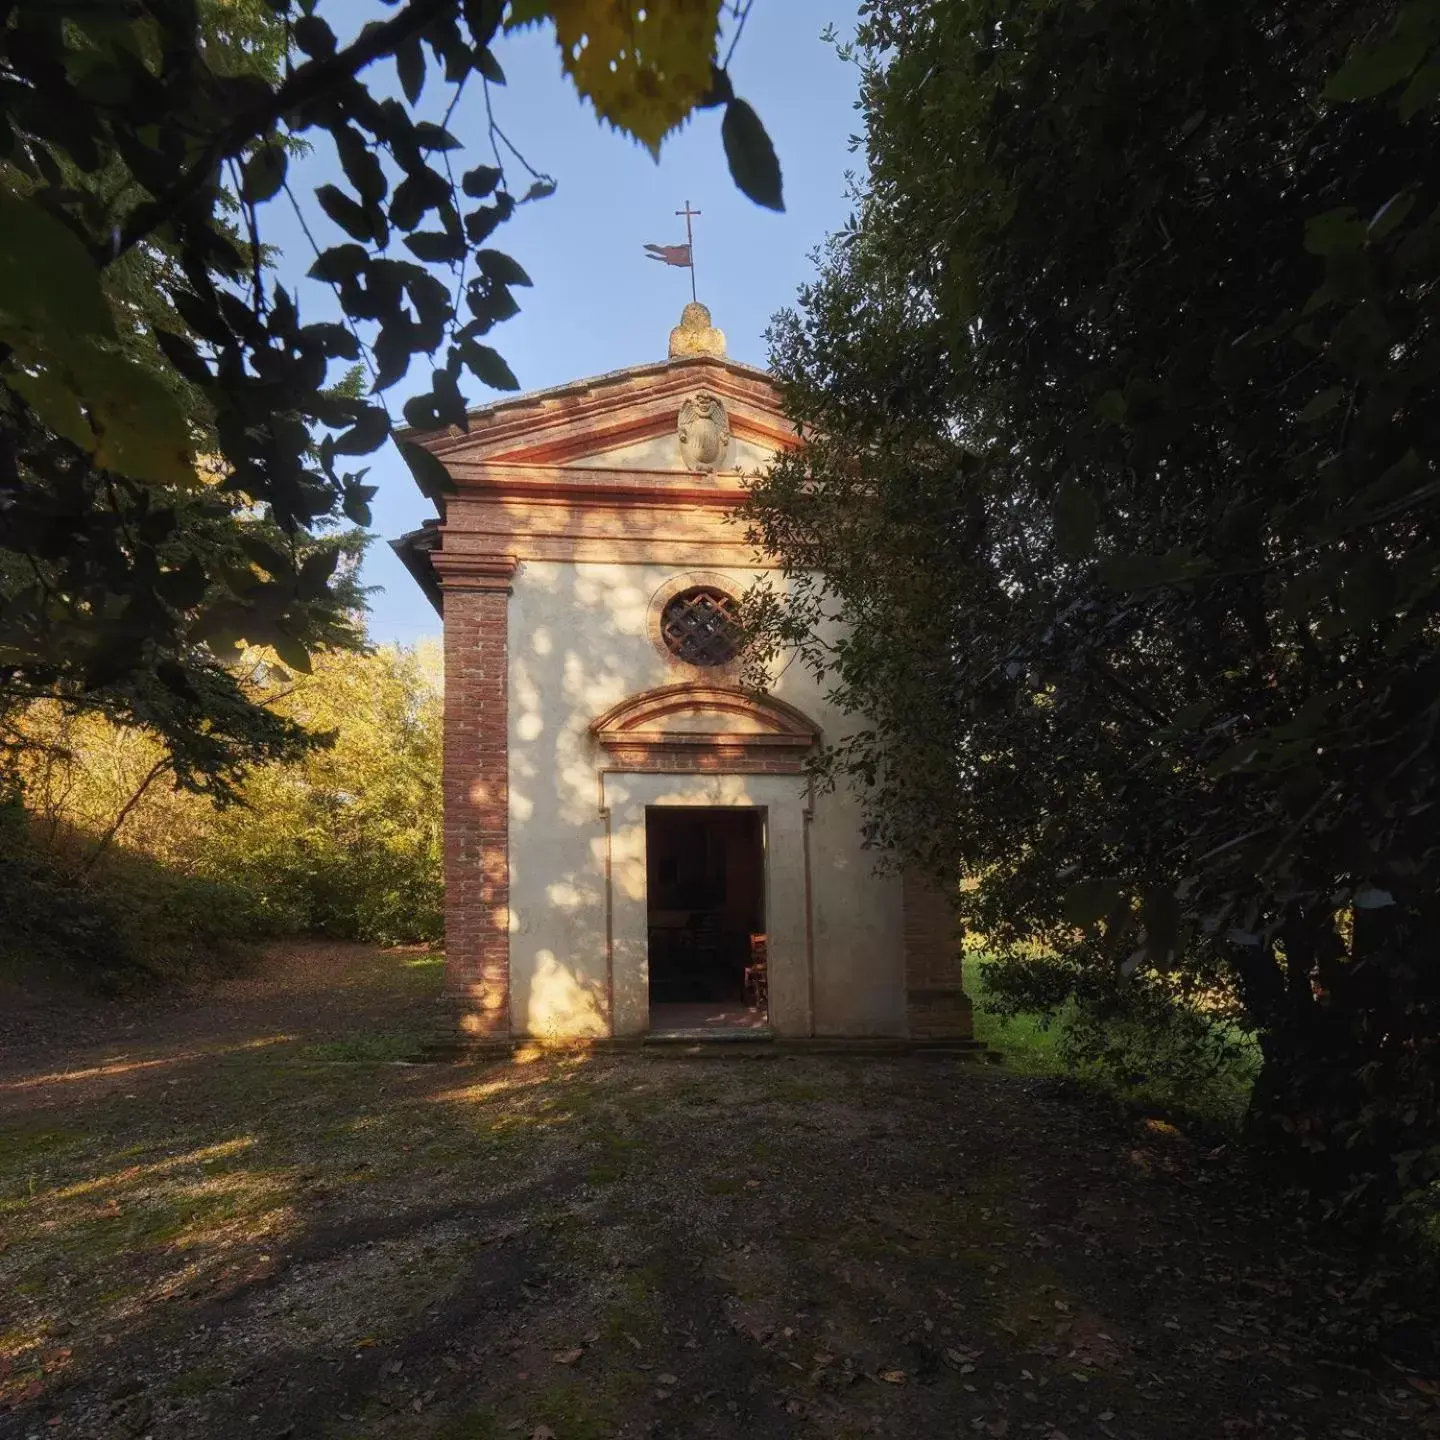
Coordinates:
(625, 421)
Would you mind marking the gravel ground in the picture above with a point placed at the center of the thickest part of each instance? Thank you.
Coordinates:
(242, 1215)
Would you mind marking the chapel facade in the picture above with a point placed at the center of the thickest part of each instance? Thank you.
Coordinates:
(631, 843)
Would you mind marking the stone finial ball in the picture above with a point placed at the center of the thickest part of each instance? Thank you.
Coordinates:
(695, 335)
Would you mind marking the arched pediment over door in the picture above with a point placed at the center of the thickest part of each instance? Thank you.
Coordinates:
(700, 727)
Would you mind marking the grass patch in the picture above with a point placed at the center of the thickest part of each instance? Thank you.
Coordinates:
(197, 1382)
(363, 1049)
(481, 1424)
(1145, 1074)
(1031, 1044)
(577, 1410)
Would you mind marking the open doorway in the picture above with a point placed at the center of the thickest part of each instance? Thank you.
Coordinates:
(705, 897)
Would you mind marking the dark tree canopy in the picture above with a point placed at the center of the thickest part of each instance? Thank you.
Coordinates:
(178, 458)
(1121, 397)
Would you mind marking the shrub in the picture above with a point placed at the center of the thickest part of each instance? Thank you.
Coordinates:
(344, 841)
(122, 919)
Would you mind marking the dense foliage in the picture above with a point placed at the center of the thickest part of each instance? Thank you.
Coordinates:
(143, 343)
(109, 869)
(1120, 393)
(73, 537)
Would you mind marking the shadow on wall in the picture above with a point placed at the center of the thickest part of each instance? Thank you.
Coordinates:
(579, 645)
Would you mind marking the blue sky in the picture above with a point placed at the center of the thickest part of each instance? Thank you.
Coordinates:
(598, 302)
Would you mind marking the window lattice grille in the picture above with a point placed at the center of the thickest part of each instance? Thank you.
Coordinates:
(699, 626)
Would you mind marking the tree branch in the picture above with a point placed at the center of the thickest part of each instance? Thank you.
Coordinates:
(156, 770)
(310, 82)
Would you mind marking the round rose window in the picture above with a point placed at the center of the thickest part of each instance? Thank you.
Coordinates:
(699, 626)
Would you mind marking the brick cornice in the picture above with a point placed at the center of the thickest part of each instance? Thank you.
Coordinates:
(460, 571)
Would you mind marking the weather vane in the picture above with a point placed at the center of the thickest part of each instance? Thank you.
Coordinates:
(680, 255)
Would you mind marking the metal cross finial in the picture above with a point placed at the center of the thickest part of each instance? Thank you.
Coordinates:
(688, 213)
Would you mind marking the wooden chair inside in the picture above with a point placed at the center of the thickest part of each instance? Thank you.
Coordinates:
(756, 985)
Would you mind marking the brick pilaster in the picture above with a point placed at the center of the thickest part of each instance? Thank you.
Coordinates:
(477, 790)
(935, 1000)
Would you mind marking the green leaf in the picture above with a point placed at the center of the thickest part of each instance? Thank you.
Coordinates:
(273, 561)
(54, 403)
(1243, 753)
(435, 246)
(1187, 717)
(337, 340)
(480, 181)
(488, 365)
(497, 266)
(1335, 232)
(753, 163)
(1422, 90)
(264, 174)
(49, 285)
(361, 165)
(1160, 915)
(313, 36)
(489, 66)
(369, 430)
(142, 430)
(1323, 403)
(184, 588)
(291, 652)
(356, 504)
(345, 212)
(315, 573)
(420, 413)
(421, 190)
(430, 474)
(1141, 572)
(1077, 517)
(1088, 902)
(1111, 406)
(339, 262)
(429, 136)
(410, 65)
(1372, 69)
(184, 357)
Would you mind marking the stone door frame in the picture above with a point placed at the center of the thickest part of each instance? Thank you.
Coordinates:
(784, 801)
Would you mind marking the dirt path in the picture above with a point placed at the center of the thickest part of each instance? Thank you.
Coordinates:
(241, 1218)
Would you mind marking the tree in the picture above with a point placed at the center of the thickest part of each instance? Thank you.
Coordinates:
(140, 335)
(1122, 470)
(111, 870)
(62, 634)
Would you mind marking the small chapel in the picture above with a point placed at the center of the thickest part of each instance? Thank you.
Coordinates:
(632, 846)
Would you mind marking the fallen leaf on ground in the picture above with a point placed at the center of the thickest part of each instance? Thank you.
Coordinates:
(567, 1357)
(893, 1377)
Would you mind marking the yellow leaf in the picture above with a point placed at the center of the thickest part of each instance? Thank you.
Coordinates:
(644, 67)
(142, 430)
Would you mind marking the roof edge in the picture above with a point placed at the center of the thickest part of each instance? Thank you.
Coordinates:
(590, 382)
(416, 552)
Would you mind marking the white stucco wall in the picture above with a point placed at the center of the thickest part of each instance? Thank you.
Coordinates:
(580, 644)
